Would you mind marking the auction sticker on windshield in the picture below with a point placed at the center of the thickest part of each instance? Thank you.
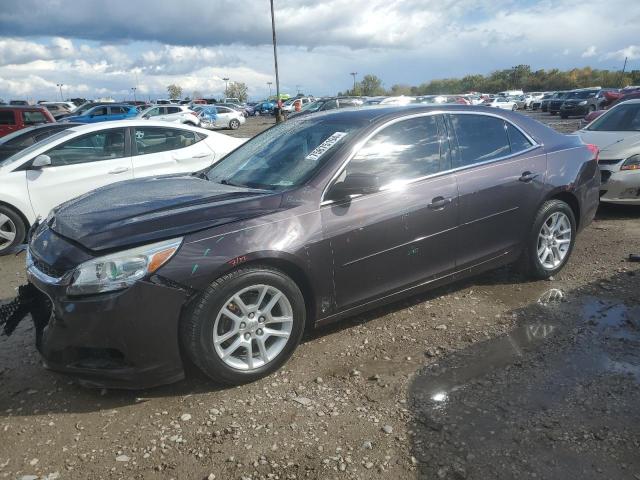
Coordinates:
(324, 146)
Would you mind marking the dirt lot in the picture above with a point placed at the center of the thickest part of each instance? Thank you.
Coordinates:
(492, 378)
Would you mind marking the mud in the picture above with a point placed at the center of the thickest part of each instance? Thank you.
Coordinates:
(491, 378)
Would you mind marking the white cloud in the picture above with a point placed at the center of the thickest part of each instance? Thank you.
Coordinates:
(632, 52)
(590, 52)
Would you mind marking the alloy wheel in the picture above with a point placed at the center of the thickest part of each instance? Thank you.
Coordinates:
(253, 327)
(554, 240)
(8, 231)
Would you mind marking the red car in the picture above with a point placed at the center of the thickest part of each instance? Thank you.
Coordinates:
(13, 117)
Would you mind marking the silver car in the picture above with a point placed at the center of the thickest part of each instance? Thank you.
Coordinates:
(617, 134)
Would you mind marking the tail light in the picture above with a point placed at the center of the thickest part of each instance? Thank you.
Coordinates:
(595, 150)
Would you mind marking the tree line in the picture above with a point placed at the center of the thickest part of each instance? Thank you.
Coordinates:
(518, 77)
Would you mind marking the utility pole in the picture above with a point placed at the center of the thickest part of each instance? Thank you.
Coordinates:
(60, 85)
(269, 83)
(226, 87)
(275, 61)
(133, 89)
(353, 74)
(298, 89)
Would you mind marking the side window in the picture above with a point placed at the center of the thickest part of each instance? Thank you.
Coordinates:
(117, 110)
(480, 138)
(32, 118)
(93, 147)
(329, 105)
(403, 151)
(158, 139)
(517, 140)
(173, 110)
(7, 117)
(154, 112)
(98, 111)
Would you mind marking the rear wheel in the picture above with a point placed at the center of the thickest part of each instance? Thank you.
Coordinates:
(234, 124)
(515, 107)
(550, 241)
(12, 229)
(245, 325)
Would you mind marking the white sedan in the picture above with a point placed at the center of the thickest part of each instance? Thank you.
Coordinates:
(617, 134)
(85, 157)
(171, 113)
(502, 102)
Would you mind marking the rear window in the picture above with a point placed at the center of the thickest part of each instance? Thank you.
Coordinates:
(33, 117)
(7, 117)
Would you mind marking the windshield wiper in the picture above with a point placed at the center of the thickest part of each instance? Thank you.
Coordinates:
(224, 181)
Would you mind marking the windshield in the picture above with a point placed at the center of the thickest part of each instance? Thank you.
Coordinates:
(25, 153)
(585, 94)
(284, 156)
(623, 118)
(313, 106)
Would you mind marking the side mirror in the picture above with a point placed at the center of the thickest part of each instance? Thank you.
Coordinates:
(354, 184)
(41, 161)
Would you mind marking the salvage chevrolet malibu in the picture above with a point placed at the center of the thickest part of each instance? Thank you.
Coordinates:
(311, 221)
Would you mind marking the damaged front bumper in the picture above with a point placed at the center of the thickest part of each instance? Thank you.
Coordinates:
(125, 339)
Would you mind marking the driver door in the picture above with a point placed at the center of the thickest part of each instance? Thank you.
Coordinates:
(78, 166)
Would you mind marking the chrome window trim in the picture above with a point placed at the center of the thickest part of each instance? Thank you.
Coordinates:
(356, 148)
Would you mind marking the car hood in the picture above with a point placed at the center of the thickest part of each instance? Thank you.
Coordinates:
(141, 211)
(613, 145)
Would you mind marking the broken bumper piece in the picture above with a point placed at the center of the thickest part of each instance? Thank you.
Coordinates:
(125, 339)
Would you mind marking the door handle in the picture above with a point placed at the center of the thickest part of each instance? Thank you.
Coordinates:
(527, 177)
(438, 203)
(201, 155)
(118, 170)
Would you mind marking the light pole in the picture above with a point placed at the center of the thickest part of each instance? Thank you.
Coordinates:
(226, 87)
(298, 89)
(275, 61)
(269, 83)
(133, 89)
(60, 85)
(353, 74)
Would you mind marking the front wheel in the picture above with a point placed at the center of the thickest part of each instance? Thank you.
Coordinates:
(550, 242)
(234, 124)
(514, 108)
(12, 229)
(245, 325)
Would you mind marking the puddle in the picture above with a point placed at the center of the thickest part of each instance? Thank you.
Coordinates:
(555, 398)
(608, 322)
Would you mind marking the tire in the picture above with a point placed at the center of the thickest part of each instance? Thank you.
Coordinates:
(592, 108)
(205, 318)
(191, 124)
(234, 124)
(13, 230)
(552, 113)
(514, 108)
(531, 264)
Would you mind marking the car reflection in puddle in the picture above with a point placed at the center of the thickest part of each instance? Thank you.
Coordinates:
(560, 369)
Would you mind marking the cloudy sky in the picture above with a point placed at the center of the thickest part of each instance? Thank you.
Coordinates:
(105, 47)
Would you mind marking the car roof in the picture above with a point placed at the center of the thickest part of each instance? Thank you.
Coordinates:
(21, 107)
(92, 127)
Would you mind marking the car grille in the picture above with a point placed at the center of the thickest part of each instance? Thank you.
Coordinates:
(46, 269)
(609, 162)
(604, 176)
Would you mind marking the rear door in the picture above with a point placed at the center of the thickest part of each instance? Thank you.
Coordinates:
(167, 150)
(8, 122)
(500, 175)
(98, 114)
(117, 113)
(80, 165)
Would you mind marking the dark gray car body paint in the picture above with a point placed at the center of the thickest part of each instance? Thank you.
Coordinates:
(347, 256)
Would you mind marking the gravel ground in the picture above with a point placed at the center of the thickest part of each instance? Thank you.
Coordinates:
(494, 377)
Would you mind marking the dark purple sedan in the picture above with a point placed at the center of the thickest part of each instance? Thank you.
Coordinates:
(313, 220)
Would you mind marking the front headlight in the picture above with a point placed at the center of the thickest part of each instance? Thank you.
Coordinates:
(631, 163)
(122, 269)
(584, 102)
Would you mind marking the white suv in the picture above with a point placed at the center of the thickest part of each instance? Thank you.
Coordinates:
(171, 113)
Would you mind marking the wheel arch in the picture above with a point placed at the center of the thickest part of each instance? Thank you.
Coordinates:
(570, 199)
